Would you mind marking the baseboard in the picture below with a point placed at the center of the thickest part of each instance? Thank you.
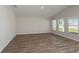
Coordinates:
(7, 44)
(65, 37)
(31, 33)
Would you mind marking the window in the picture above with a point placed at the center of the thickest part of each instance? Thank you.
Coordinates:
(73, 25)
(61, 25)
(54, 24)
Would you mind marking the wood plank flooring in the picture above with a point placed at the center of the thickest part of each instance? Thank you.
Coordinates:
(41, 43)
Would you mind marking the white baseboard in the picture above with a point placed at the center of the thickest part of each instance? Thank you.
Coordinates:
(66, 36)
(31, 33)
(1, 49)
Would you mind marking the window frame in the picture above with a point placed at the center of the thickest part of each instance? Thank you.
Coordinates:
(54, 28)
(62, 25)
(72, 25)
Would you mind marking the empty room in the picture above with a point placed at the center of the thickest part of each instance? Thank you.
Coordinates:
(39, 28)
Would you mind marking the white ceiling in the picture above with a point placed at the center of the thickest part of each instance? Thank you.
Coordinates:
(35, 10)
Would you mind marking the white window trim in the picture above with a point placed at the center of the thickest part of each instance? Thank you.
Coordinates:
(58, 25)
(68, 25)
(52, 25)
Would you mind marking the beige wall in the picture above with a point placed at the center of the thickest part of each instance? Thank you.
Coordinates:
(32, 25)
(72, 11)
(7, 26)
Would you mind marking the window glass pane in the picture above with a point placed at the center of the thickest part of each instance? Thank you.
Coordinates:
(73, 25)
(73, 29)
(54, 24)
(61, 25)
(72, 21)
